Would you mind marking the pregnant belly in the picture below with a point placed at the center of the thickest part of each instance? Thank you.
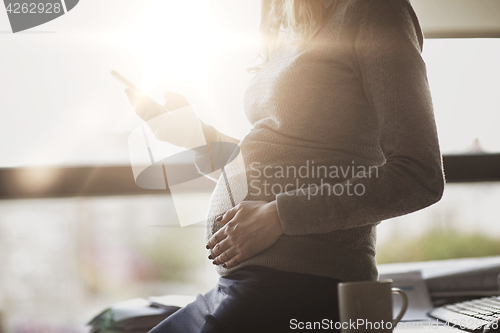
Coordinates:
(263, 170)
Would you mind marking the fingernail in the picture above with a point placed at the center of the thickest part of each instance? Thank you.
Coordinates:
(207, 247)
(210, 257)
(213, 262)
(219, 219)
(224, 266)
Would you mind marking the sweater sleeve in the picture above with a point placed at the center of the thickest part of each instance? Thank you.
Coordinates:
(387, 57)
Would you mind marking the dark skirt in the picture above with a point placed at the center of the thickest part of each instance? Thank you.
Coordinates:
(259, 299)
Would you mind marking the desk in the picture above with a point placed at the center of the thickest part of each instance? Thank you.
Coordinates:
(476, 277)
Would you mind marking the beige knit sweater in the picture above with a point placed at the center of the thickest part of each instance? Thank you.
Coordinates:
(343, 137)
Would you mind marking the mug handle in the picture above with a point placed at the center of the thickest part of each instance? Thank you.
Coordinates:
(403, 307)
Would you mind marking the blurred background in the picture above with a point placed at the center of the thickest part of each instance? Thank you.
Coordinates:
(77, 235)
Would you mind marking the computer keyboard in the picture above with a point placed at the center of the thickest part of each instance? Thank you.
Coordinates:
(470, 315)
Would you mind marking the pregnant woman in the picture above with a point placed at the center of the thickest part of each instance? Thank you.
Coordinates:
(343, 137)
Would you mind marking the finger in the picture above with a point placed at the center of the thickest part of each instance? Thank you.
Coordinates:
(132, 96)
(142, 107)
(147, 108)
(174, 100)
(238, 258)
(216, 238)
(219, 248)
(228, 216)
(225, 256)
(142, 100)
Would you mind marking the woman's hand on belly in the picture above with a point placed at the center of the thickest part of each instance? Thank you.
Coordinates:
(248, 229)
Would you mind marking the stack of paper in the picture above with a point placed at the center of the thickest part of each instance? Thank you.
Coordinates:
(137, 315)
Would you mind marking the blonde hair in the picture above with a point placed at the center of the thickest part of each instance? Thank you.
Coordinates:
(302, 18)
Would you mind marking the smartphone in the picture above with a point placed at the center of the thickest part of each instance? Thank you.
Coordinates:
(126, 82)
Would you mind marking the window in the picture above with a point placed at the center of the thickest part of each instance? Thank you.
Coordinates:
(464, 75)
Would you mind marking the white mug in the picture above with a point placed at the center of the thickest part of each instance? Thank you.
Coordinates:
(366, 306)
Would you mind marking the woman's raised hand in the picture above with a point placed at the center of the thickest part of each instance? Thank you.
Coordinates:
(145, 106)
(176, 122)
(174, 100)
(248, 229)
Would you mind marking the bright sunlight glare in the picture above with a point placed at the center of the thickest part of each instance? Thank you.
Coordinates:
(464, 76)
(178, 42)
